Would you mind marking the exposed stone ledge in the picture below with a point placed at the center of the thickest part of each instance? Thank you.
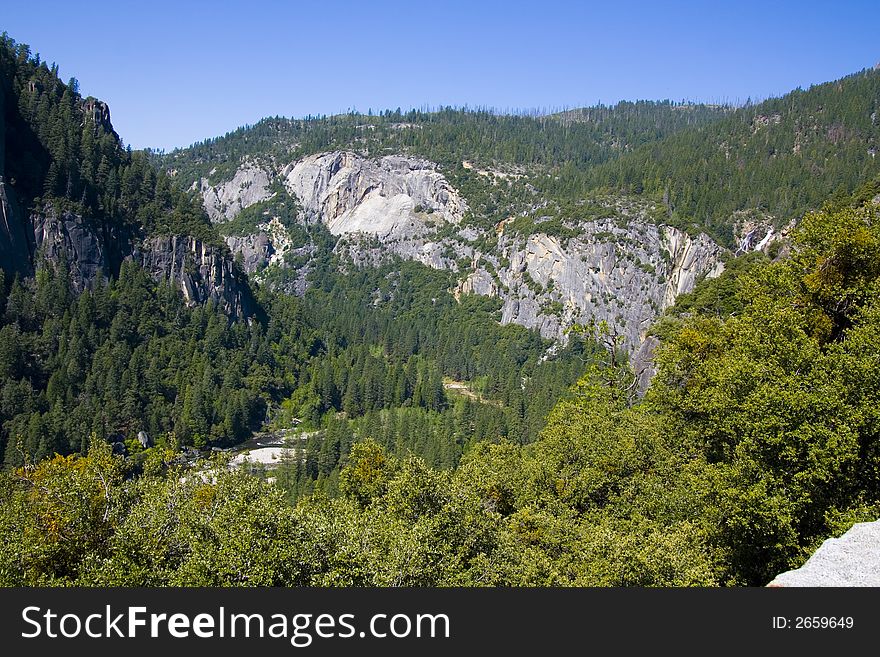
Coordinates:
(853, 559)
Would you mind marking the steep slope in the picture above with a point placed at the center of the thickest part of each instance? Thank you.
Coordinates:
(601, 214)
(70, 193)
(608, 259)
(439, 188)
(388, 197)
(597, 215)
(619, 272)
(13, 240)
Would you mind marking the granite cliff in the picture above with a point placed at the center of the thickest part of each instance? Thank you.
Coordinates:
(621, 267)
(91, 249)
(203, 272)
(394, 197)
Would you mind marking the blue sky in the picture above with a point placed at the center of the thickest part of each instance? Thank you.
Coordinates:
(178, 72)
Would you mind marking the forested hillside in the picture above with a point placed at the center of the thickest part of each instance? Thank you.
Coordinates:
(781, 157)
(448, 136)
(775, 159)
(428, 444)
(130, 356)
(61, 151)
(757, 440)
(128, 353)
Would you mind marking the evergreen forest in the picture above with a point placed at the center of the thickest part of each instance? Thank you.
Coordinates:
(434, 445)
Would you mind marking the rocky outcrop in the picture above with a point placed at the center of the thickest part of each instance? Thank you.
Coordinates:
(99, 113)
(202, 272)
(395, 196)
(479, 282)
(272, 245)
(369, 251)
(87, 249)
(688, 259)
(625, 275)
(624, 269)
(255, 250)
(756, 232)
(248, 186)
(642, 361)
(399, 201)
(90, 249)
(853, 559)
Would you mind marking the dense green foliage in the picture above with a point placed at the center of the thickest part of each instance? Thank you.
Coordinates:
(130, 356)
(757, 440)
(123, 357)
(449, 136)
(435, 446)
(377, 370)
(781, 399)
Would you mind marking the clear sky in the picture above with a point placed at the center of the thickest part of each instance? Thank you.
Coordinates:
(177, 72)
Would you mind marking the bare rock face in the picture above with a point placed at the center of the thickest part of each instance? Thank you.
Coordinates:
(365, 250)
(394, 196)
(755, 232)
(144, 439)
(850, 560)
(99, 113)
(248, 186)
(642, 362)
(624, 269)
(479, 282)
(256, 250)
(201, 271)
(90, 251)
(398, 200)
(623, 275)
(69, 238)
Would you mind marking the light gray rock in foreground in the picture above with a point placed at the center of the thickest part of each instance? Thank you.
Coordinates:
(851, 560)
